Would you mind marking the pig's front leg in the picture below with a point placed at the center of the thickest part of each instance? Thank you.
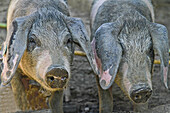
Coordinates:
(67, 94)
(19, 92)
(140, 107)
(105, 99)
(56, 102)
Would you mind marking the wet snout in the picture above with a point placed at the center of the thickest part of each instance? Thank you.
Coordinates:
(140, 93)
(56, 77)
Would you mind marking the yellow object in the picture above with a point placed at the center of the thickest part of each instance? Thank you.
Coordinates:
(3, 25)
(79, 53)
(158, 62)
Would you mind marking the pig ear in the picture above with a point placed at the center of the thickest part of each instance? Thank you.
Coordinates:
(108, 52)
(159, 35)
(80, 35)
(14, 47)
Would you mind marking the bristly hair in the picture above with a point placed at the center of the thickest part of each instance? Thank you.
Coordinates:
(135, 39)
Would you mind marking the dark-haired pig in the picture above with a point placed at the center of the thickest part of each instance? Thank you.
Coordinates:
(39, 48)
(125, 38)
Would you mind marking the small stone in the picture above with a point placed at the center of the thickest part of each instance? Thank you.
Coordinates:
(86, 108)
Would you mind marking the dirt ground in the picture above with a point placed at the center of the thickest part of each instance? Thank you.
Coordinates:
(84, 97)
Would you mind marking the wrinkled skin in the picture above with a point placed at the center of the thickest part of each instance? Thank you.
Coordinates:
(124, 39)
(38, 51)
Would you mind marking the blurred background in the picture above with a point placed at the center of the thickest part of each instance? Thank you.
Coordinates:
(83, 88)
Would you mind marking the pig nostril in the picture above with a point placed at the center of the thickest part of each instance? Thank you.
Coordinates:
(51, 78)
(137, 97)
(63, 78)
(56, 81)
(148, 94)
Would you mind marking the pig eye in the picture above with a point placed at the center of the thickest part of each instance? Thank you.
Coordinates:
(68, 41)
(31, 43)
(150, 55)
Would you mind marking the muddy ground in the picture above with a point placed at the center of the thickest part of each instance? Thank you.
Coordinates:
(84, 97)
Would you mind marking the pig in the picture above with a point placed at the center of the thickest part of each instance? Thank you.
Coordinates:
(39, 49)
(125, 39)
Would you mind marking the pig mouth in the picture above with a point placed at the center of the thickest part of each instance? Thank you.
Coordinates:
(57, 81)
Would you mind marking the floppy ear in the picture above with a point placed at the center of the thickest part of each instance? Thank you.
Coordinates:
(80, 35)
(108, 52)
(159, 35)
(2, 52)
(14, 47)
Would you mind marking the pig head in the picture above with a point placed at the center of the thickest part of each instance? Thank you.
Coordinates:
(124, 53)
(41, 45)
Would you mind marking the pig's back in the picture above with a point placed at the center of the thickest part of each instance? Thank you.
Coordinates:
(104, 11)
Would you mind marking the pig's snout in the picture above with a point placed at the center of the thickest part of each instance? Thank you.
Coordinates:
(141, 94)
(56, 77)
